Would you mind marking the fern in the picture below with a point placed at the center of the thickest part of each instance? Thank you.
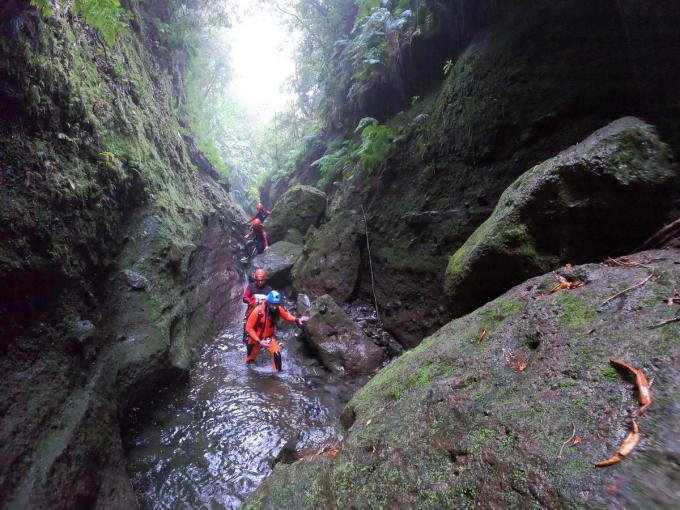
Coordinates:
(106, 16)
(365, 153)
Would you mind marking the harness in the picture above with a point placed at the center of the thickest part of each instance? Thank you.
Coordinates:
(263, 315)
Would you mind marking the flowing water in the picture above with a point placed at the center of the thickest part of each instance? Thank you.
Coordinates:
(211, 441)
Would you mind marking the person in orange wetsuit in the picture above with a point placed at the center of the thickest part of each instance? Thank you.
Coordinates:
(259, 234)
(262, 213)
(253, 294)
(261, 328)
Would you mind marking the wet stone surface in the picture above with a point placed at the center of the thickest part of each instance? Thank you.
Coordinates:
(210, 441)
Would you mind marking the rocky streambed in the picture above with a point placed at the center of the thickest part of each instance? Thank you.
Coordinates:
(211, 440)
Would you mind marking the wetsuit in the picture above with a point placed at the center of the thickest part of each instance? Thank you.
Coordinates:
(261, 325)
(261, 215)
(260, 238)
(251, 296)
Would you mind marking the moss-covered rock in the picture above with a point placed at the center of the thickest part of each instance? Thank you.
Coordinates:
(96, 178)
(331, 258)
(298, 208)
(591, 201)
(340, 343)
(454, 424)
(278, 261)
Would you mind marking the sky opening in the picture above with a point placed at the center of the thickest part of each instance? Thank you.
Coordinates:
(262, 59)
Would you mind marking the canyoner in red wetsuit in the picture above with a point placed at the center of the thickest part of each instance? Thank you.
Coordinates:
(259, 234)
(254, 293)
(261, 328)
(261, 214)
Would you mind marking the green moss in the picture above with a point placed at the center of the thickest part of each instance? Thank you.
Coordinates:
(576, 313)
(609, 373)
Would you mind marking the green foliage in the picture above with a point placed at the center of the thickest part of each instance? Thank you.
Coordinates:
(367, 54)
(376, 140)
(364, 152)
(448, 65)
(107, 16)
(366, 6)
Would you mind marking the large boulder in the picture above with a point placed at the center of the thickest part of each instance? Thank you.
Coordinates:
(473, 420)
(278, 261)
(298, 209)
(331, 258)
(340, 343)
(591, 201)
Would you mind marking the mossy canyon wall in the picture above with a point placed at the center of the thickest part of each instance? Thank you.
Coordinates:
(117, 250)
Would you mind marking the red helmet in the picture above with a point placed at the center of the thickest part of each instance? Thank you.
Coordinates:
(260, 275)
(259, 207)
(256, 223)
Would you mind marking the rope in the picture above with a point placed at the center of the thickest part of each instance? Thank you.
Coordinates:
(370, 265)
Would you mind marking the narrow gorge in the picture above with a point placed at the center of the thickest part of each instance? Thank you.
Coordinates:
(473, 209)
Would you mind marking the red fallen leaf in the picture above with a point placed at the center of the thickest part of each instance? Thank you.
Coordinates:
(485, 332)
(577, 440)
(624, 450)
(565, 284)
(518, 361)
(643, 386)
(333, 452)
(621, 261)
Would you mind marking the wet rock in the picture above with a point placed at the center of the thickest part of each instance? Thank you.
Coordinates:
(331, 258)
(589, 202)
(340, 343)
(294, 236)
(135, 280)
(174, 257)
(456, 406)
(278, 261)
(81, 333)
(303, 304)
(299, 208)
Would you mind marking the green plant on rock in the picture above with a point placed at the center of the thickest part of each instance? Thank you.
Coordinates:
(376, 140)
(107, 16)
(365, 152)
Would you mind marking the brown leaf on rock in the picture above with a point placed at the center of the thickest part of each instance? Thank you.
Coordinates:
(518, 361)
(622, 262)
(577, 440)
(624, 450)
(565, 284)
(643, 386)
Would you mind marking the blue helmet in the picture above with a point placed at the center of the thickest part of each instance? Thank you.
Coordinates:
(274, 297)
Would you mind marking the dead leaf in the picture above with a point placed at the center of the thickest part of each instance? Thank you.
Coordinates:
(565, 284)
(643, 386)
(569, 265)
(590, 331)
(621, 261)
(485, 332)
(333, 452)
(577, 440)
(368, 422)
(517, 361)
(71, 183)
(624, 450)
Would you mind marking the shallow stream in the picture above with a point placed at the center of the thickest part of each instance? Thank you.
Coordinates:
(210, 441)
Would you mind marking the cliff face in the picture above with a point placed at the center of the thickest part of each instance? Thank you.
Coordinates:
(117, 253)
(525, 81)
